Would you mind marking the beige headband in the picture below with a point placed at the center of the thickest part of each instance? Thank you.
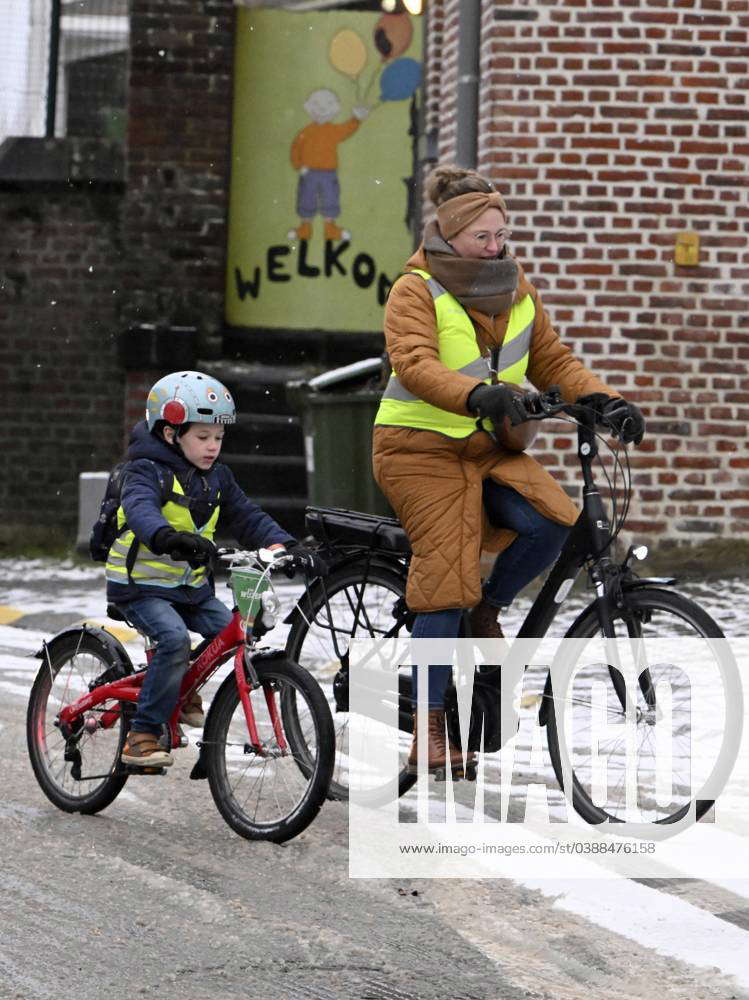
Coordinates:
(459, 212)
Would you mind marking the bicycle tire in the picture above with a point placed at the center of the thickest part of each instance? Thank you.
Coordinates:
(225, 762)
(639, 605)
(99, 750)
(312, 647)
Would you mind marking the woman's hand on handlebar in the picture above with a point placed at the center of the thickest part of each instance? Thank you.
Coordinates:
(624, 419)
(495, 402)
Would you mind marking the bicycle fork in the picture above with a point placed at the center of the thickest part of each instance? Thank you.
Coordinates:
(244, 669)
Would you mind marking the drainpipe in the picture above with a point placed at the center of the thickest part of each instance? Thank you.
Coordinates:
(54, 56)
(469, 41)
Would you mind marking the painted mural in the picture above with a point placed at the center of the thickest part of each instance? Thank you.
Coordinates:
(322, 160)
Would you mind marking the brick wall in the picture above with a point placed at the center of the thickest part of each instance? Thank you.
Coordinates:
(610, 128)
(61, 401)
(178, 163)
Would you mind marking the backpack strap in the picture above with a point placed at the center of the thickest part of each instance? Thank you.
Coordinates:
(166, 485)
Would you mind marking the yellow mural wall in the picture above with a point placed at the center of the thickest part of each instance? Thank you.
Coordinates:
(321, 156)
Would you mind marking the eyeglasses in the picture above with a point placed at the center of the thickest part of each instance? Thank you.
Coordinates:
(501, 236)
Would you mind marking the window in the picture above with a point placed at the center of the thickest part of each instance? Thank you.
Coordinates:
(63, 68)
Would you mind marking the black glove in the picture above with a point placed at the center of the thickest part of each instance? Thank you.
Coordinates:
(495, 402)
(623, 418)
(184, 546)
(307, 560)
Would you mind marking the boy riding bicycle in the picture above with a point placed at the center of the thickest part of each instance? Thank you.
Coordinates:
(173, 493)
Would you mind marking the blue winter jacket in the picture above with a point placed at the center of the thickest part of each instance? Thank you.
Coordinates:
(145, 483)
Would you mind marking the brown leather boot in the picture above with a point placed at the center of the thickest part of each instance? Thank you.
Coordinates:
(483, 622)
(192, 712)
(144, 750)
(437, 750)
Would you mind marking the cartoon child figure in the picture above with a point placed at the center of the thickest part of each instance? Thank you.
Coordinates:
(314, 154)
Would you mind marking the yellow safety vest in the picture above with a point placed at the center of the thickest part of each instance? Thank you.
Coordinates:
(459, 351)
(145, 566)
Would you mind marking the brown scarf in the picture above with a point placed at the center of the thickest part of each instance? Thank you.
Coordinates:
(477, 283)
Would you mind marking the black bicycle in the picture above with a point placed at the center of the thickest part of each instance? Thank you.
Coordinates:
(363, 596)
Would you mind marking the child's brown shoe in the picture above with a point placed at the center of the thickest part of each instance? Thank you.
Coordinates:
(192, 712)
(144, 750)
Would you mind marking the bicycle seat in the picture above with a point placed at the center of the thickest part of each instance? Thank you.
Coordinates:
(115, 614)
(337, 526)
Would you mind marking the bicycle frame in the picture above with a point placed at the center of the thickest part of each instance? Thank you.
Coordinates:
(232, 640)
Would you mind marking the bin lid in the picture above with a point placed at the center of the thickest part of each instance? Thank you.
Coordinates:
(339, 378)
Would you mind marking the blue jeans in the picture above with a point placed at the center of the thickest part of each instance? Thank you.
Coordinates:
(167, 624)
(538, 544)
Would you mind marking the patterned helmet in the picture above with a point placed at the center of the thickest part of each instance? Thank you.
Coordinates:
(189, 398)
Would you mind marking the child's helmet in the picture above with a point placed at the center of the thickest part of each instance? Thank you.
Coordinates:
(189, 398)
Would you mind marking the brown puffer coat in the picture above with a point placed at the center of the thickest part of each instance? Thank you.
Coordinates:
(432, 481)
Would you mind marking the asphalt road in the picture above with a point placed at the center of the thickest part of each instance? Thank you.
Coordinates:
(157, 897)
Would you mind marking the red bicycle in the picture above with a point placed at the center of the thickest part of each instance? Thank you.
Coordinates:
(84, 696)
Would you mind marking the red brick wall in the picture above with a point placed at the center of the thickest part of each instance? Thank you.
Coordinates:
(611, 127)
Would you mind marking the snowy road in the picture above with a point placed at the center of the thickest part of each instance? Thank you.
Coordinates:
(156, 894)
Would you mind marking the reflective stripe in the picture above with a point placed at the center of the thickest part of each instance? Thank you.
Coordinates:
(509, 355)
(517, 348)
(436, 288)
(394, 390)
(480, 368)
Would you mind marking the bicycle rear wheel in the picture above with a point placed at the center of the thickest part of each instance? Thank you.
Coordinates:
(61, 764)
(682, 727)
(350, 612)
(265, 795)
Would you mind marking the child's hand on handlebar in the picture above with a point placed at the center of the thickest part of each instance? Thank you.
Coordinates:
(187, 546)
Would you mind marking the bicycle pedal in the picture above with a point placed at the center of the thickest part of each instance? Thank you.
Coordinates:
(135, 769)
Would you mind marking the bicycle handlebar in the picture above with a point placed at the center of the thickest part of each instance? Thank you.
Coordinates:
(267, 557)
(548, 404)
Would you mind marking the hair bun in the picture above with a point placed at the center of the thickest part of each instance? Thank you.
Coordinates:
(448, 181)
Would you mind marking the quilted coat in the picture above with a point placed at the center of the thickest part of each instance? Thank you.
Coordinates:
(433, 482)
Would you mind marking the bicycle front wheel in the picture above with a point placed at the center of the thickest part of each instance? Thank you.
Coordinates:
(75, 771)
(356, 607)
(261, 792)
(643, 756)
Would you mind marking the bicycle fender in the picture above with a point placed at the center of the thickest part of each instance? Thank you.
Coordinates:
(109, 643)
(543, 711)
(376, 562)
(648, 581)
(269, 654)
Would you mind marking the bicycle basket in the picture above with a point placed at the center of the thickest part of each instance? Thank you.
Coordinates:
(248, 585)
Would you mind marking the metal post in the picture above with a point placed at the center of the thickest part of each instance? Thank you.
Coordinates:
(469, 39)
(54, 56)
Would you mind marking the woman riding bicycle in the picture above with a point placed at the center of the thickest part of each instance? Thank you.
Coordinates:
(464, 328)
